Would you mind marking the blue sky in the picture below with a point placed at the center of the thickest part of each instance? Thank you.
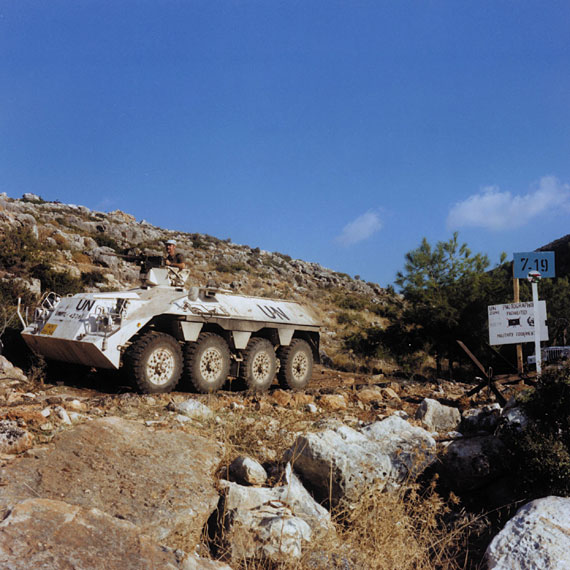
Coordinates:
(335, 132)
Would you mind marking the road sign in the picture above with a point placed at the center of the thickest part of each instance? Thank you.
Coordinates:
(542, 261)
(514, 323)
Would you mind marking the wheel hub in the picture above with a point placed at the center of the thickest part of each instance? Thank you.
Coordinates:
(211, 364)
(160, 366)
(299, 366)
(261, 366)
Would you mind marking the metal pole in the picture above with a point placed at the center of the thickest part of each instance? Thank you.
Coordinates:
(536, 329)
(517, 299)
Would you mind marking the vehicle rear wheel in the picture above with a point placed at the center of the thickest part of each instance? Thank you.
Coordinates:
(296, 364)
(259, 365)
(207, 362)
(154, 361)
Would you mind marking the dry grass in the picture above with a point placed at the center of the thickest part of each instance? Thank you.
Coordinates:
(385, 531)
(406, 529)
(402, 530)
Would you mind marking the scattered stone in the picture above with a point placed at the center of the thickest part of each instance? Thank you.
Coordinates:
(10, 372)
(248, 471)
(272, 523)
(370, 395)
(301, 399)
(14, 439)
(76, 406)
(194, 409)
(333, 402)
(390, 394)
(437, 417)
(63, 415)
(538, 536)
(281, 397)
(513, 419)
(485, 418)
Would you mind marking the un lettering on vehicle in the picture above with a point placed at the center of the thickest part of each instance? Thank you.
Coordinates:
(276, 313)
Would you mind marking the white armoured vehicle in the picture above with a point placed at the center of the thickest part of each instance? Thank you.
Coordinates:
(162, 332)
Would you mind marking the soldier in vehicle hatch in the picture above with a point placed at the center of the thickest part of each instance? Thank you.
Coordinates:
(172, 258)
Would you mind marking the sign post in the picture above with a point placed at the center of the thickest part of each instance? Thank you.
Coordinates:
(533, 266)
(534, 277)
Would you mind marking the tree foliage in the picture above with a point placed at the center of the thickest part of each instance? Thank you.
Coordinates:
(541, 450)
(445, 291)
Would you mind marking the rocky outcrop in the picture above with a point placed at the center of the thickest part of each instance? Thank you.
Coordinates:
(538, 536)
(79, 230)
(42, 533)
(340, 462)
(161, 481)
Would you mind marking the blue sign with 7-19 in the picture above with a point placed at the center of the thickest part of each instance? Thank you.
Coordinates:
(541, 261)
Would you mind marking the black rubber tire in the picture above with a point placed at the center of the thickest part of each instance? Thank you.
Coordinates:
(207, 362)
(154, 362)
(296, 364)
(259, 365)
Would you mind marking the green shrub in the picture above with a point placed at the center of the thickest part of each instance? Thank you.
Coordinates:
(104, 240)
(343, 318)
(63, 283)
(351, 301)
(541, 451)
(19, 247)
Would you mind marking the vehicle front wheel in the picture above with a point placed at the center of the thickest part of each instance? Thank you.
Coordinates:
(207, 362)
(296, 364)
(154, 361)
(259, 365)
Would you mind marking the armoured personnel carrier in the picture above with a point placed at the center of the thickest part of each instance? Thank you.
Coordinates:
(163, 332)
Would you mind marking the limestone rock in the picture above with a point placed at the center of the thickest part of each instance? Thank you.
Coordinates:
(271, 522)
(437, 417)
(333, 402)
(41, 533)
(194, 409)
(10, 372)
(247, 470)
(538, 536)
(370, 395)
(342, 462)
(159, 480)
(14, 439)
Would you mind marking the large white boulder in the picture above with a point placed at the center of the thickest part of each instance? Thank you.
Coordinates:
(538, 536)
(340, 462)
(274, 523)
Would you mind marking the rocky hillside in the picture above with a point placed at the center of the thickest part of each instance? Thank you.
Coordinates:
(49, 245)
(357, 471)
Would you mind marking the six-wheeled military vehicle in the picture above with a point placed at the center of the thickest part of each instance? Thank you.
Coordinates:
(165, 331)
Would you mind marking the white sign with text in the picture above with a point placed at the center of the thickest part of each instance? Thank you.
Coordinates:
(514, 323)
